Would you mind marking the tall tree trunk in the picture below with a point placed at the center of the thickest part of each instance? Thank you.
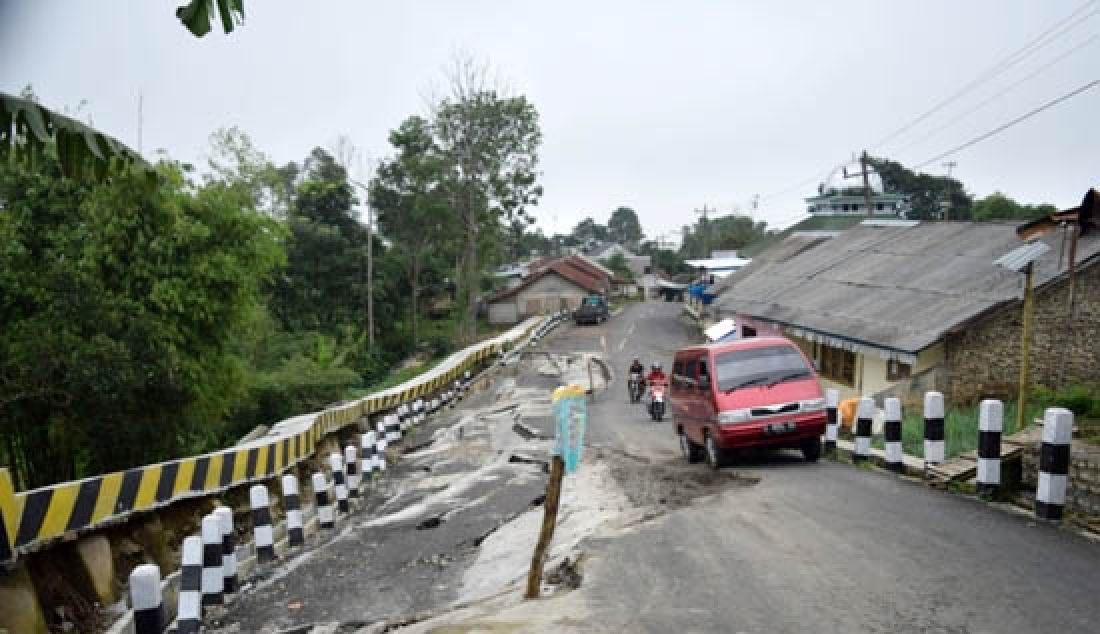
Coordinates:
(471, 278)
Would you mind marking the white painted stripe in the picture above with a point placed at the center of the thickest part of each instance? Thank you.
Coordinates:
(933, 451)
(989, 471)
(189, 606)
(933, 405)
(264, 536)
(145, 587)
(830, 432)
(893, 452)
(1051, 489)
(863, 445)
(294, 519)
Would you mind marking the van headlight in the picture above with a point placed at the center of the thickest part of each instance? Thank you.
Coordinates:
(732, 416)
(812, 405)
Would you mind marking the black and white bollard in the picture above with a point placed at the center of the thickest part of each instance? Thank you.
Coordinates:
(212, 578)
(1050, 496)
(990, 425)
(366, 446)
(380, 452)
(261, 524)
(865, 417)
(403, 419)
(351, 464)
(145, 599)
(229, 548)
(891, 435)
(393, 428)
(933, 428)
(189, 607)
(340, 487)
(295, 531)
(832, 399)
(325, 515)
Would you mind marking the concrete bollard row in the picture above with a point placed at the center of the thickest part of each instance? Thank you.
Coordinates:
(229, 549)
(295, 527)
(891, 435)
(145, 599)
(189, 608)
(340, 487)
(865, 416)
(351, 464)
(213, 581)
(325, 515)
(933, 429)
(263, 532)
(1050, 495)
(990, 424)
(832, 399)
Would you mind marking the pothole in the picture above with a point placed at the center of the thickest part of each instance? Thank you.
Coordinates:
(668, 484)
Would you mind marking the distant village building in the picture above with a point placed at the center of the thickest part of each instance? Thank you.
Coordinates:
(899, 308)
(549, 286)
(842, 194)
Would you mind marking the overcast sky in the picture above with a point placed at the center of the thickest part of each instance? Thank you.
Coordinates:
(661, 106)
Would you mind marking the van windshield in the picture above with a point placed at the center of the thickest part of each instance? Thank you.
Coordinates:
(759, 366)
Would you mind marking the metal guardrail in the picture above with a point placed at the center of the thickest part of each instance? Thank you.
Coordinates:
(30, 519)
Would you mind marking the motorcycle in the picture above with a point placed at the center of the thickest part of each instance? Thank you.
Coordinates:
(635, 387)
(657, 400)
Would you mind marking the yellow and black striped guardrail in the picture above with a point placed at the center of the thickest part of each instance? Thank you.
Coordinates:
(30, 518)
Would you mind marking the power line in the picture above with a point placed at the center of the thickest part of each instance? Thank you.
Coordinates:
(1044, 38)
(1000, 94)
(1005, 126)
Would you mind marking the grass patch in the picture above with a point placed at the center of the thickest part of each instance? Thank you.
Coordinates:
(960, 428)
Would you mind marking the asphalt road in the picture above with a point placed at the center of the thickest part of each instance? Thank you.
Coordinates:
(823, 547)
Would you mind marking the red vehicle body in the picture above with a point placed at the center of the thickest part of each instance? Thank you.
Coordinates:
(754, 392)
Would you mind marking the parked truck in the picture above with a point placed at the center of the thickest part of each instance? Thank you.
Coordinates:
(593, 310)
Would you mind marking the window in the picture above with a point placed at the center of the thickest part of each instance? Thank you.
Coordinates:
(678, 374)
(897, 371)
(748, 331)
(690, 367)
(838, 365)
(703, 371)
(759, 366)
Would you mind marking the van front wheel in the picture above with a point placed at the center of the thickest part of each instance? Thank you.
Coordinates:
(716, 456)
(692, 452)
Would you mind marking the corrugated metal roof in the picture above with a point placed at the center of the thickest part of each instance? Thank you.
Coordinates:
(897, 288)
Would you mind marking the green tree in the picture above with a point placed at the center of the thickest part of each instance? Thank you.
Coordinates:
(618, 264)
(408, 194)
(927, 194)
(119, 307)
(624, 227)
(998, 205)
(589, 229)
(489, 143)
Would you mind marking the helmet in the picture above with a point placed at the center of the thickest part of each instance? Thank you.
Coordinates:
(656, 366)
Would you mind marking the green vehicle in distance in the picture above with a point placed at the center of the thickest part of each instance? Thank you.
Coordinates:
(593, 310)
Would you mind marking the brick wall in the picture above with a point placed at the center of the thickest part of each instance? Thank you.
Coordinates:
(983, 361)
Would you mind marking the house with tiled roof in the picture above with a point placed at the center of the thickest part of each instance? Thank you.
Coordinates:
(559, 284)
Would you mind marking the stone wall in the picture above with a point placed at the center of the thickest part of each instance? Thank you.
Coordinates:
(1083, 488)
(983, 361)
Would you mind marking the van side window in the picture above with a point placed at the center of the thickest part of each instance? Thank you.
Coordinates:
(690, 368)
(677, 374)
(703, 371)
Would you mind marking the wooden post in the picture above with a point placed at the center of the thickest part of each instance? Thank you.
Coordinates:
(549, 521)
(1025, 347)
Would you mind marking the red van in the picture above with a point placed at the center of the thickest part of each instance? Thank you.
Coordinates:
(753, 392)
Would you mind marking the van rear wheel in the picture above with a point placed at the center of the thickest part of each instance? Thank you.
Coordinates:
(716, 456)
(692, 452)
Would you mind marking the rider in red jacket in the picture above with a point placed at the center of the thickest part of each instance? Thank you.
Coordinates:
(656, 375)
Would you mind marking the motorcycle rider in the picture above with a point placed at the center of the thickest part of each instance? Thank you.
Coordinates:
(636, 367)
(656, 375)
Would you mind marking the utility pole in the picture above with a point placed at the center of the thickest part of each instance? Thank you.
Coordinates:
(950, 165)
(866, 184)
(705, 213)
(1025, 345)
